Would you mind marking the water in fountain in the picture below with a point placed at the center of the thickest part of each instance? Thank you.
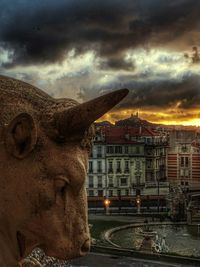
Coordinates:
(181, 240)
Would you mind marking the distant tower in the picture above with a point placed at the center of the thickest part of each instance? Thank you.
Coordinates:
(137, 114)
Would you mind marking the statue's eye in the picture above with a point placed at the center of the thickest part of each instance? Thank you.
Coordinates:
(61, 185)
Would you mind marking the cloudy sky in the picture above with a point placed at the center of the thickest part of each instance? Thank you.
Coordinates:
(85, 48)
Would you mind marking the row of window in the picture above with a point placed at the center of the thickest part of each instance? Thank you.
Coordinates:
(99, 166)
(123, 181)
(118, 166)
(155, 175)
(124, 149)
(111, 193)
(136, 149)
(99, 152)
(138, 165)
(157, 164)
(110, 167)
(184, 183)
(91, 181)
(156, 152)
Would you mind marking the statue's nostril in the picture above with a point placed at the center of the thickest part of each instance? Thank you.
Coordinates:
(85, 247)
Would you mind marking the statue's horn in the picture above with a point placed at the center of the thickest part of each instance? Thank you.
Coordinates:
(80, 117)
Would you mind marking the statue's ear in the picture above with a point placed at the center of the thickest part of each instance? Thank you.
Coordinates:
(21, 135)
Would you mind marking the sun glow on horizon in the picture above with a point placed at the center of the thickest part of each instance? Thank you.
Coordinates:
(192, 118)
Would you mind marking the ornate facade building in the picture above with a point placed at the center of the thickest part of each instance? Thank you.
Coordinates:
(127, 162)
(184, 160)
(142, 163)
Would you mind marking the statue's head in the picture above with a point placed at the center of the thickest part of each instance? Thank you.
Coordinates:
(44, 148)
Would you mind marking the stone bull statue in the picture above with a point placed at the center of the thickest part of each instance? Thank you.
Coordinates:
(44, 144)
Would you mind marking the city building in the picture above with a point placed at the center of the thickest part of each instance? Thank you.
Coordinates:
(183, 161)
(96, 182)
(127, 162)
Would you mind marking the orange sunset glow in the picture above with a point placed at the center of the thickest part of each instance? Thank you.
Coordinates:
(167, 117)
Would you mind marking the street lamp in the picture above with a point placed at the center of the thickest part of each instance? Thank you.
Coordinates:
(119, 200)
(158, 204)
(138, 202)
(107, 205)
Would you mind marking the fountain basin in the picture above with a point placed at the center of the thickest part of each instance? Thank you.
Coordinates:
(180, 238)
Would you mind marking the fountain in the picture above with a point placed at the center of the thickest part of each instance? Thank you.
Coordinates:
(151, 241)
(147, 234)
(159, 238)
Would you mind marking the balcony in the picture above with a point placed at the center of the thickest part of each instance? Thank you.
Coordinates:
(119, 170)
(110, 170)
(156, 142)
(110, 185)
(126, 170)
(123, 185)
(155, 184)
(138, 185)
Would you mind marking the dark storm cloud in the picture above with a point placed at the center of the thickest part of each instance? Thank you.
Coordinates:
(43, 31)
(179, 94)
(183, 94)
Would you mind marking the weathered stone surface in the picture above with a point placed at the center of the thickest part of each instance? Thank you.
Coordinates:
(43, 164)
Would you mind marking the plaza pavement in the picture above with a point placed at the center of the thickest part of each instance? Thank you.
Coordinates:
(121, 218)
(103, 260)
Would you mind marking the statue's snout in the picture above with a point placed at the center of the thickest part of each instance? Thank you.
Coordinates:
(85, 248)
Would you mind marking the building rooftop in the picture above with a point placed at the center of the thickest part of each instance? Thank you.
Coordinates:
(127, 135)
